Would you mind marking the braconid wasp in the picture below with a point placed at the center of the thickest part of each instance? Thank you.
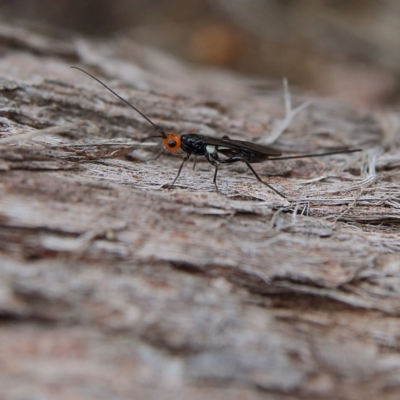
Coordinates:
(217, 150)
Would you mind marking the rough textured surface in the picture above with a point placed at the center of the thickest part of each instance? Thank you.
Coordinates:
(113, 286)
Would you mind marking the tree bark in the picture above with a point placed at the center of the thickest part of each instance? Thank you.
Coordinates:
(114, 286)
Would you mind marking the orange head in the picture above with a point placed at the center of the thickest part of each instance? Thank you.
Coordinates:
(172, 142)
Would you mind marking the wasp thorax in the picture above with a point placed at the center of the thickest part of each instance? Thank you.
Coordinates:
(172, 142)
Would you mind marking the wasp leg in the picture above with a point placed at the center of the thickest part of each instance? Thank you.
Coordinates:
(156, 157)
(179, 171)
(215, 164)
(215, 176)
(194, 162)
(236, 159)
(260, 180)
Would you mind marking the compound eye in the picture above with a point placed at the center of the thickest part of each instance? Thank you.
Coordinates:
(172, 144)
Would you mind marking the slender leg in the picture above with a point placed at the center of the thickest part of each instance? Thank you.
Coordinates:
(215, 164)
(260, 180)
(234, 159)
(215, 176)
(194, 162)
(155, 158)
(179, 171)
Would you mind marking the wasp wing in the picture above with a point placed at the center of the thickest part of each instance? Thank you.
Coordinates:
(241, 145)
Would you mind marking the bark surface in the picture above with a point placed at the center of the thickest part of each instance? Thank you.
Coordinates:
(114, 287)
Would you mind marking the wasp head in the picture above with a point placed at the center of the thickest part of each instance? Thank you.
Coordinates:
(172, 142)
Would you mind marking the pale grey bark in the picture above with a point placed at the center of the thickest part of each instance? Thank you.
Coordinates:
(113, 286)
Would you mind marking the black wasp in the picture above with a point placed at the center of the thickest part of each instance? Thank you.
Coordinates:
(217, 150)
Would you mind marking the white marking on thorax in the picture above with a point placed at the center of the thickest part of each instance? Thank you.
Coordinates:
(210, 149)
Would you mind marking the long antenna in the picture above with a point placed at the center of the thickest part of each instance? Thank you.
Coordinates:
(160, 130)
(315, 155)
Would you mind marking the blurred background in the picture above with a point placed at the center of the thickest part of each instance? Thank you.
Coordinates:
(344, 48)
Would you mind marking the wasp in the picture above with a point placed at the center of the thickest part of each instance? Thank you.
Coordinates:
(217, 150)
